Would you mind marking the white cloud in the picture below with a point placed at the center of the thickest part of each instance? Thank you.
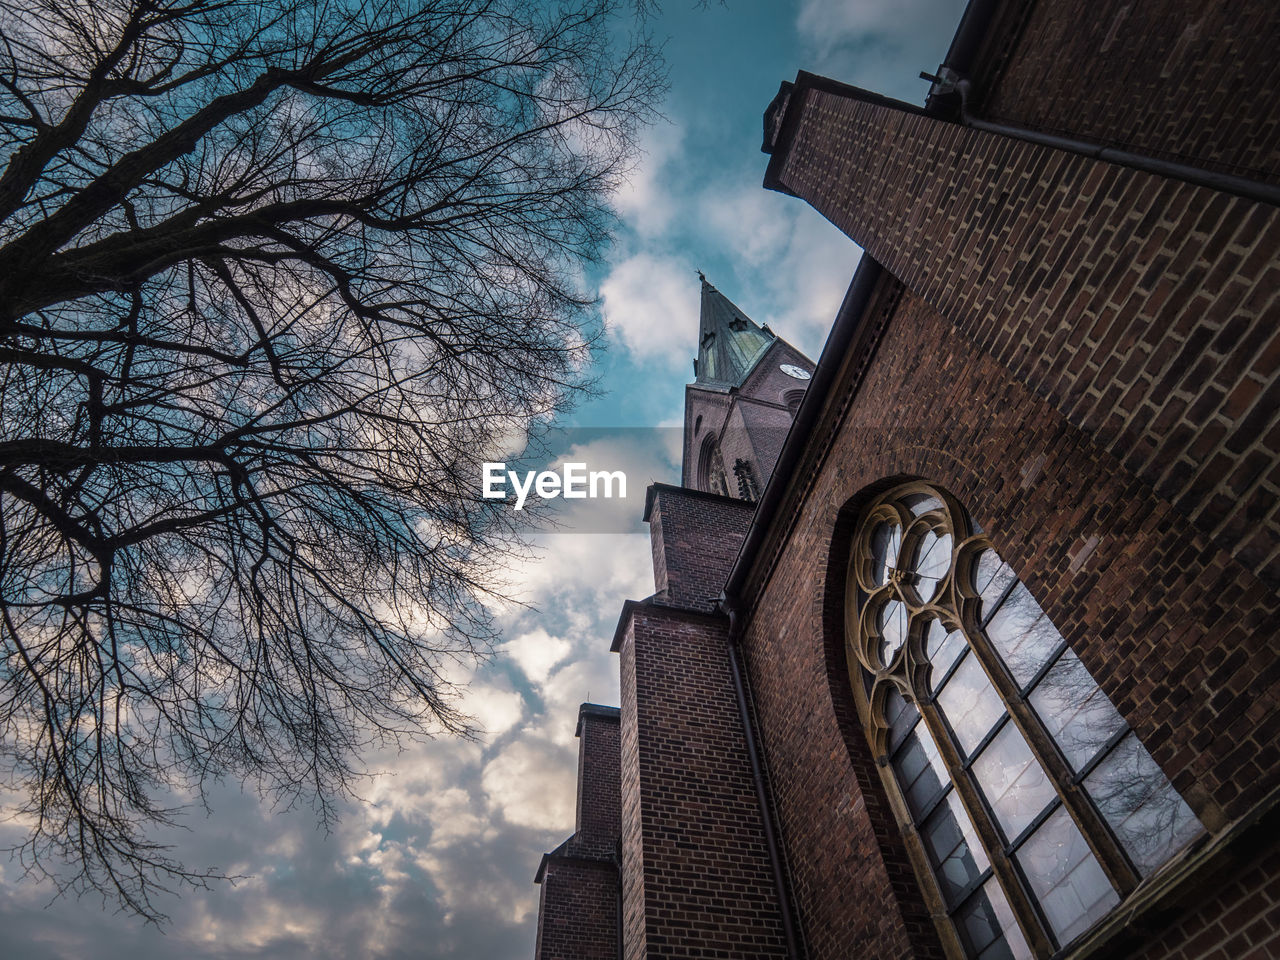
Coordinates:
(411, 787)
(531, 783)
(454, 815)
(643, 455)
(585, 574)
(460, 887)
(651, 307)
(262, 922)
(881, 44)
(646, 201)
(536, 653)
(832, 21)
(494, 710)
(797, 266)
(591, 678)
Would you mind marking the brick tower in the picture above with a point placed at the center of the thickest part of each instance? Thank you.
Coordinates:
(578, 911)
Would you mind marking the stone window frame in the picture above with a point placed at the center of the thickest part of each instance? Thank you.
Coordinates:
(746, 480)
(711, 476)
(886, 659)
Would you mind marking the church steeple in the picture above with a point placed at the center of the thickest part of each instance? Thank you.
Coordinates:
(729, 342)
(748, 384)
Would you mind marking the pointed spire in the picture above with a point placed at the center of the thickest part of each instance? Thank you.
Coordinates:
(729, 342)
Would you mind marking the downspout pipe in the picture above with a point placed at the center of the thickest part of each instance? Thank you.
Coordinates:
(618, 905)
(762, 797)
(1250, 189)
(846, 327)
(975, 24)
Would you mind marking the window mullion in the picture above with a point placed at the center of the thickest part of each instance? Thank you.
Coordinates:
(934, 900)
(1096, 833)
(1024, 910)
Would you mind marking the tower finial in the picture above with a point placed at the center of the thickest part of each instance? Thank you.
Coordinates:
(702, 276)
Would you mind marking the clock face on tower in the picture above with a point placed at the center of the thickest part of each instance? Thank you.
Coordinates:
(791, 370)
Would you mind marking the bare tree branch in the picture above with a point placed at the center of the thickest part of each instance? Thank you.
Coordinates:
(275, 278)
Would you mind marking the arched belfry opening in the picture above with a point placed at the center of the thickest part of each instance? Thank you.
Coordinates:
(711, 475)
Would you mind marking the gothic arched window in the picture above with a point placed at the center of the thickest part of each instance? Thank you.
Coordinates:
(1029, 808)
(746, 480)
(711, 476)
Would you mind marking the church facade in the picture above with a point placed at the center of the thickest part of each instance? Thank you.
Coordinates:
(963, 641)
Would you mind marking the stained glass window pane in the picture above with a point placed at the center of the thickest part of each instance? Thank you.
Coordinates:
(900, 716)
(1019, 949)
(1023, 635)
(885, 541)
(970, 704)
(980, 929)
(919, 503)
(1146, 813)
(1075, 711)
(931, 562)
(1035, 819)
(942, 649)
(1065, 876)
(1015, 784)
(953, 846)
(991, 577)
(987, 926)
(921, 772)
(892, 624)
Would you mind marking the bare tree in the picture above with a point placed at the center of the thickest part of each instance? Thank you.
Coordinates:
(273, 277)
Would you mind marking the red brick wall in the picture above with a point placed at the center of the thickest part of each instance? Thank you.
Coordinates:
(694, 538)
(697, 881)
(1177, 632)
(1238, 920)
(578, 906)
(578, 910)
(1184, 79)
(1146, 310)
(1089, 358)
(634, 928)
(764, 425)
(599, 799)
(767, 382)
(704, 412)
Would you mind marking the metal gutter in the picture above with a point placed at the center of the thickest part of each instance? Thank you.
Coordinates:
(762, 798)
(1250, 189)
(953, 78)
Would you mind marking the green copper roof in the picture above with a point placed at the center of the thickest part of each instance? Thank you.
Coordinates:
(729, 342)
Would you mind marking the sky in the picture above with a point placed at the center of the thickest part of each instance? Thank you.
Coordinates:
(436, 857)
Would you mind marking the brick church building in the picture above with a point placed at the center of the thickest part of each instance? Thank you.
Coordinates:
(963, 641)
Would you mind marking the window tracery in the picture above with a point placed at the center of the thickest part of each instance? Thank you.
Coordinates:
(747, 489)
(1029, 807)
(711, 476)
